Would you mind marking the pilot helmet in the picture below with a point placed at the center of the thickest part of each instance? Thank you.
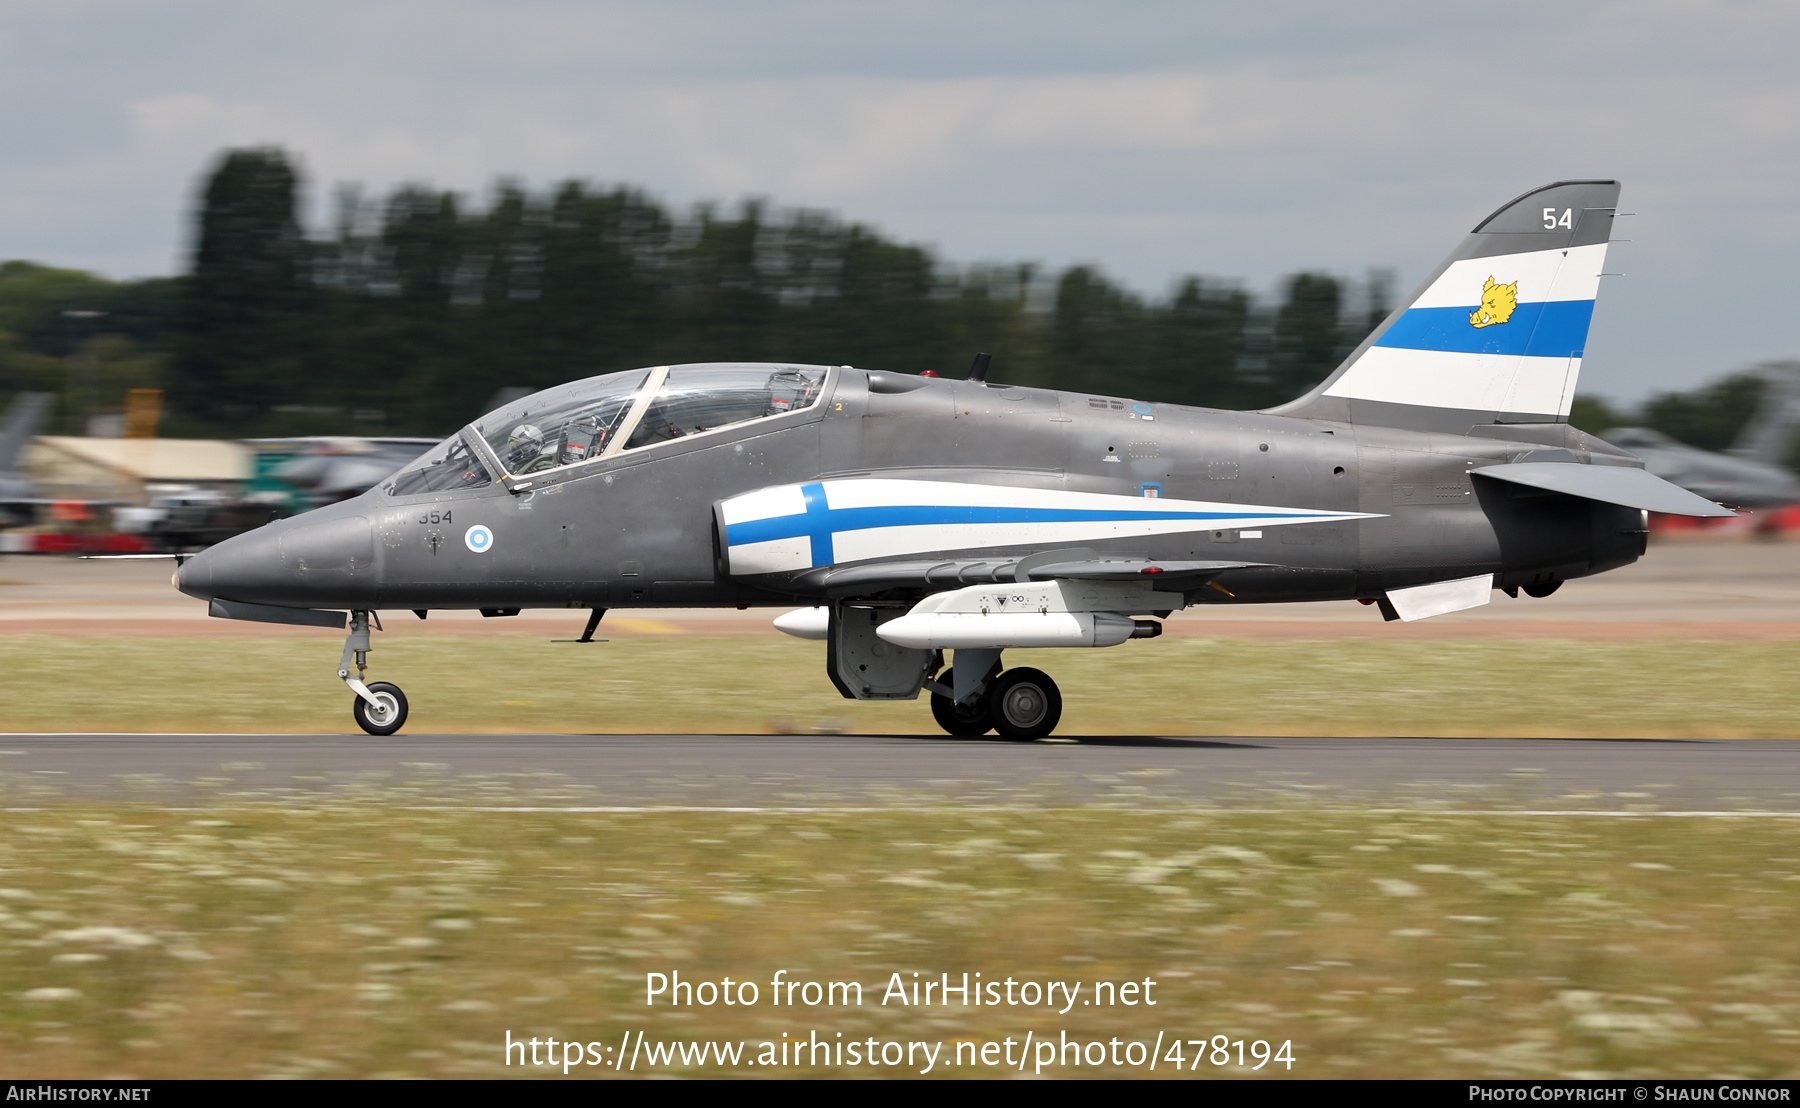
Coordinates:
(524, 443)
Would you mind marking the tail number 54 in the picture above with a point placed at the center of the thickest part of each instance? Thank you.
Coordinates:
(1552, 221)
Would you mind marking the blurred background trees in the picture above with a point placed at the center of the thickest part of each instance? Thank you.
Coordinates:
(412, 311)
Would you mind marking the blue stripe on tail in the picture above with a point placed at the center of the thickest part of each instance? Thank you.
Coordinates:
(1547, 329)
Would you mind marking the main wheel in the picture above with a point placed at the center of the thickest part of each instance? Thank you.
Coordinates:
(962, 720)
(386, 719)
(1024, 704)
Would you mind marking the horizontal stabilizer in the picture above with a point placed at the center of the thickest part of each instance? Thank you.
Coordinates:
(1631, 488)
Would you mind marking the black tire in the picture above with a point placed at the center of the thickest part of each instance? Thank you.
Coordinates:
(1541, 591)
(371, 721)
(965, 721)
(1024, 704)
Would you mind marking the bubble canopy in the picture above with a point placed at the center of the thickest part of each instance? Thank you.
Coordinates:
(609, 415)
(561, 426)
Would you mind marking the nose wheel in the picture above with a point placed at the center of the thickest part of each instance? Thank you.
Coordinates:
(379, 709)
(386, 714)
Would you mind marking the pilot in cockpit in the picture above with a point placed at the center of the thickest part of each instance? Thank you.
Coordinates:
(525, 450)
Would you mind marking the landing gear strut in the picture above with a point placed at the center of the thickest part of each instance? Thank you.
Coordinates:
(965, 720)
(380, 708)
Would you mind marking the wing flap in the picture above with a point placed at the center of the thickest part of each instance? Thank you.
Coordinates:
(1628, 487)
(1099, 570)
(1032, 568)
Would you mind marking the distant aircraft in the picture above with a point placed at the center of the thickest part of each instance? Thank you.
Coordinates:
(334, 468)
(928, 516)
(19, 500)
(321, 470)
(1751, 473)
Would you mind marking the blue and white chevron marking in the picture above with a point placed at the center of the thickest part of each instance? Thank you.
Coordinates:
(822, 523)
(1433, 356)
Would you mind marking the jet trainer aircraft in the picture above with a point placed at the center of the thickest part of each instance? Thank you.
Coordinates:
(925, 515)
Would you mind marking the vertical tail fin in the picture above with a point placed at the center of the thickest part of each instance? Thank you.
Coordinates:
(22, 421)
(1769, 435)
(1496, 334)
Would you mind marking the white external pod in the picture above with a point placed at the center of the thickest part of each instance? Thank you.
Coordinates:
(1027, 614)
(963, 630)
(805, 623)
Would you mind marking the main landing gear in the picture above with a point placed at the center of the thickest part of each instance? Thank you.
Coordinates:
(1020, 704)
(380, 709)
(965, 720)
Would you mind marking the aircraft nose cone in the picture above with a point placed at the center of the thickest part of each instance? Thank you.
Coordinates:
(194, 576)
(237, 569)
(310, 561)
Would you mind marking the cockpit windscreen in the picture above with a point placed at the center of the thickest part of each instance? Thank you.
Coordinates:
(561, 426)
(448, 465)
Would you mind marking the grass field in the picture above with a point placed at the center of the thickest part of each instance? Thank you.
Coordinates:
(1446, 687)
(361, 939)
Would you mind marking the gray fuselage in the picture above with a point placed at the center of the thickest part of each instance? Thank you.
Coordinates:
(639, 529)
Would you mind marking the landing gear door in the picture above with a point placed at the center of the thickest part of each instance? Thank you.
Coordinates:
(863, 665)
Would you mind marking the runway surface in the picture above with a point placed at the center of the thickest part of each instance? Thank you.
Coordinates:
(1683, 589)
(777, 770)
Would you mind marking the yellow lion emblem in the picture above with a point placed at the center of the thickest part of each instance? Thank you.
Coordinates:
(1497, 304)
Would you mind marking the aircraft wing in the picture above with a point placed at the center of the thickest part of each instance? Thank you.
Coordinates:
(1630, 488)
(1079, 564)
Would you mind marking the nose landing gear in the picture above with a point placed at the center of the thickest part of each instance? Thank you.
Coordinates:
(384, 712)
(379, 709)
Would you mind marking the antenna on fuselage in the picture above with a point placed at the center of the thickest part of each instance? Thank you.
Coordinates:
(978, 371)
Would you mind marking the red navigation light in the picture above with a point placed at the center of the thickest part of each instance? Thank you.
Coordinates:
(927, 373)
(1151, 569)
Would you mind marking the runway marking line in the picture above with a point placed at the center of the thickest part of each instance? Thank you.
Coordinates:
(963, 809)
(618, 810)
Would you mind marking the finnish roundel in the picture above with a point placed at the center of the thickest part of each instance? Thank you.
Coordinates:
(479, 539)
